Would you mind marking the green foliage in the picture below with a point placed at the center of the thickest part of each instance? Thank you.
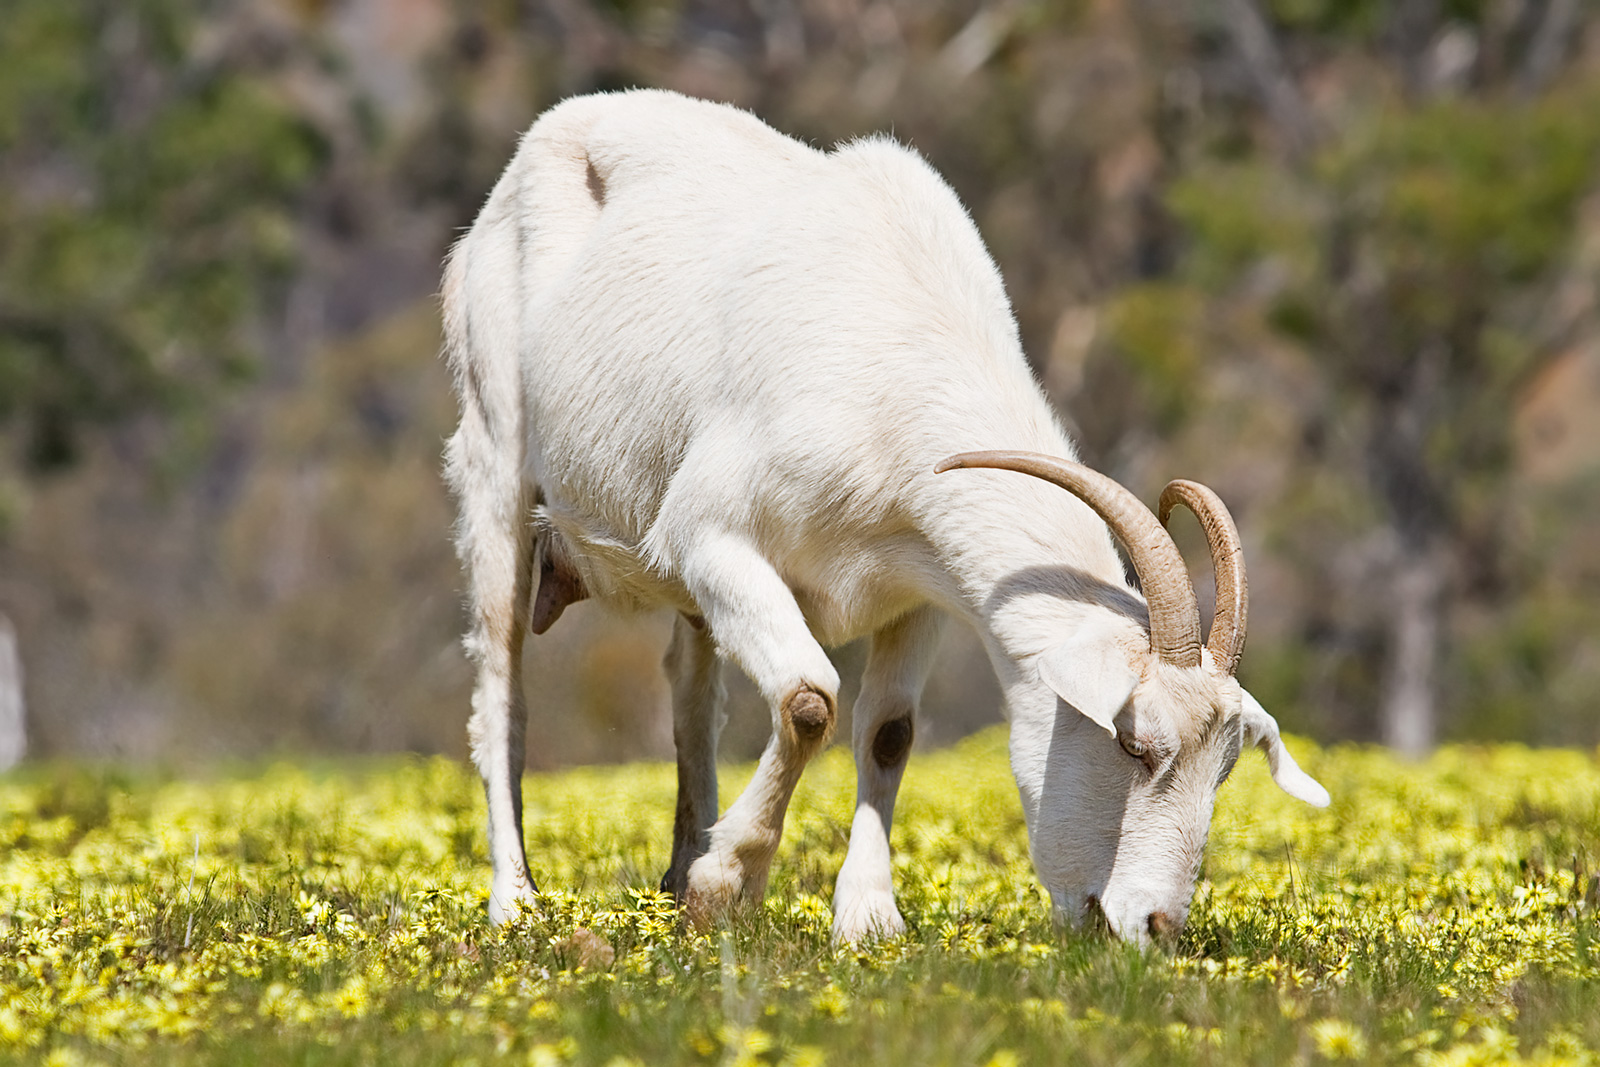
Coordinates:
(1530, 672)
(1479, 188)
(1438, 913)
(1411, 267)
(1361, 19)
(1364, 21)
(1446, 206)
(146, 206)
(1159, 330)
(1240, 213)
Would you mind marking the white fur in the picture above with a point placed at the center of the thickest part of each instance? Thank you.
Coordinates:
(708, 367)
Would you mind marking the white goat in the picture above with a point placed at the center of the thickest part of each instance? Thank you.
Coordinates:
(705, 366)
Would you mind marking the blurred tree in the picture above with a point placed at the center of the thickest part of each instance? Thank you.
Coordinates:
(1412, 259)
(1299, 248)
(146, 191)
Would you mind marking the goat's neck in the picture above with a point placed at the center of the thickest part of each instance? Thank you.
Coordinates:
(1026, 561)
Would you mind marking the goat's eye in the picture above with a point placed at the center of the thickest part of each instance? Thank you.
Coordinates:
(1134, 747)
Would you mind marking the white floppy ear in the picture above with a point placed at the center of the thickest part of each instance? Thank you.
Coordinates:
(1092, 675)
(1261, 730)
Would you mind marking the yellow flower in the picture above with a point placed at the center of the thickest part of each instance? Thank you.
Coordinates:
(545, 1056)
(1338, 1040)
(68, 1057)
(352, 1000)
(832, 1002)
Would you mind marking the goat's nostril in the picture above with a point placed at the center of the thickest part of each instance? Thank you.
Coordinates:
(1164, 926)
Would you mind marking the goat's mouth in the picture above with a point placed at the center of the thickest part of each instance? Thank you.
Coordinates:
(1093, 918)
(1087, 916)
(1081, 913)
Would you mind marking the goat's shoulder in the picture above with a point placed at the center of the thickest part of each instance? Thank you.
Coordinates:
(880, 163)
(925, 243)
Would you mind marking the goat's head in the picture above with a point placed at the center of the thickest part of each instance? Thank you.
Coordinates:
(1120, 736)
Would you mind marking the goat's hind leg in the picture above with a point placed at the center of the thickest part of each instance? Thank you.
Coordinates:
(495, 541)
(697, 717)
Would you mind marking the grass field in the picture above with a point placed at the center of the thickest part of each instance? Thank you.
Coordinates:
(1435, 914)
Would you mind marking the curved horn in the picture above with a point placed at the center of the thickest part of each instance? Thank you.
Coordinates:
(1228, 625)
(1174, 613)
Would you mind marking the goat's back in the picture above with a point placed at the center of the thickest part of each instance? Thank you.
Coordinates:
(718, 325)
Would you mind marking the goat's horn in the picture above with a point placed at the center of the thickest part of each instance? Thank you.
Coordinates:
(1174, 614)
(1228, 625)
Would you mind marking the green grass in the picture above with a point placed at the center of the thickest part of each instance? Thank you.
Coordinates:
(1435, 914)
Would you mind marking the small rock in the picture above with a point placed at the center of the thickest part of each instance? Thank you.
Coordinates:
(586, 950)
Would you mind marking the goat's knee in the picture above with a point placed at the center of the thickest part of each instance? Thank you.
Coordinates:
(808, 715)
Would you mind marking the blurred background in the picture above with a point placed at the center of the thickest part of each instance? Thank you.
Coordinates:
(1337, 258)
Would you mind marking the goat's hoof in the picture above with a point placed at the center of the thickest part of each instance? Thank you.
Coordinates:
(675, 884)
(512, 904)
(714, 887)
(867, 917)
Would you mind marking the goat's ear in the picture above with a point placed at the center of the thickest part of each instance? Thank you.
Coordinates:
(1261, 730)
(1091, 674)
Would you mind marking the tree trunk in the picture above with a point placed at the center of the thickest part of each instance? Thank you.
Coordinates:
(13, 718)
(1408, 406)
(1286, 106)
(1409, 722)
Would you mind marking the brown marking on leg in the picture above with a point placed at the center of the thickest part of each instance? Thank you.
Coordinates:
(559, 586)
(892, 742)
(810, 714)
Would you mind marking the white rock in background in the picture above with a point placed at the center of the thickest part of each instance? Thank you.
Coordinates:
(13, 719)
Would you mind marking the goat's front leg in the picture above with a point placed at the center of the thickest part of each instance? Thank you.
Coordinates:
(697, 717)
(885, 717)
(755, 622)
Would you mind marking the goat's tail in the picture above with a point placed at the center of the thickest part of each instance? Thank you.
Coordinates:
(535, 221)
